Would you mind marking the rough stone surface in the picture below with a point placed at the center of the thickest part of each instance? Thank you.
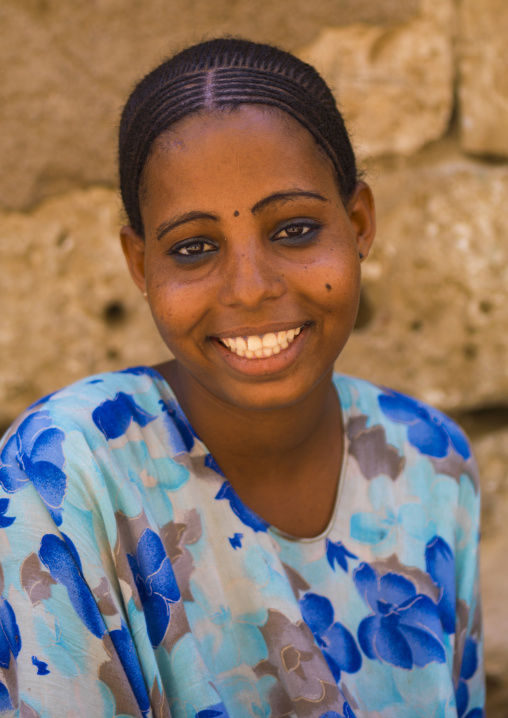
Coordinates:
(435, 286)
(484, 80)
(68, 67)
(395, 84)
(74, 309)
(489, 432)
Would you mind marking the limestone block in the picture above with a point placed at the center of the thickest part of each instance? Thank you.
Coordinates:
(491, 449)
(69, 307)
(67, 69)
(435, 310)
(483, 90)
(395, 85)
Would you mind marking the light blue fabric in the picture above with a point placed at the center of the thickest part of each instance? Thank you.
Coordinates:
(135, 582)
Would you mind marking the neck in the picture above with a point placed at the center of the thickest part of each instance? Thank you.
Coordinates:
(235, 435)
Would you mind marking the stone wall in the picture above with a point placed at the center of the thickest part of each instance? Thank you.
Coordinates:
(424, 88)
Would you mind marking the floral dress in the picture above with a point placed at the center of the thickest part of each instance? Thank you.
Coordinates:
(135, 582)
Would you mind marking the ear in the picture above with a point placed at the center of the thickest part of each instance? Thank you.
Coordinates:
(134, 250)
(362, 215)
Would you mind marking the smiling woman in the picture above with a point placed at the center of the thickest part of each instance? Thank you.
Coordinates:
(238, 531)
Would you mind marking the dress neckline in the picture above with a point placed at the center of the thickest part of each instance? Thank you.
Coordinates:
(277, 533)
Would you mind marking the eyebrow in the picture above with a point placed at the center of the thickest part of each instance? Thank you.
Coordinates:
(182, 219)
(281, 197)
(276, 198)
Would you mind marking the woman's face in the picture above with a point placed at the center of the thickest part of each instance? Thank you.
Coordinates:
(250, 259)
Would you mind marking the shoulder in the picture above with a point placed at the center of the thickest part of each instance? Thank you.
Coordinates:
(82, 416)
(410, 425)
(86, 437)
(83, 404)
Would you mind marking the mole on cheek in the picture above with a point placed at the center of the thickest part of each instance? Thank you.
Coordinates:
(236, 213)
(328, 287)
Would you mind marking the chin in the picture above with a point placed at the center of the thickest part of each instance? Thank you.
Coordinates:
(273, 394)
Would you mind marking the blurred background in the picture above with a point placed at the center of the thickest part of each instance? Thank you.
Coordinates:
(423, 85)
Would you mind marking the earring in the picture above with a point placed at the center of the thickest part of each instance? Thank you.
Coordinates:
(145, 294)
(361, 255)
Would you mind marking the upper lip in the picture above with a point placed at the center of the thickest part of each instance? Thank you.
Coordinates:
(271, 328)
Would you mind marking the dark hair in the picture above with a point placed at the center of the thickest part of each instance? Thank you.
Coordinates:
(224, 73)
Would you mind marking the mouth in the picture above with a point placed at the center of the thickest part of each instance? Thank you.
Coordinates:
(261, 346)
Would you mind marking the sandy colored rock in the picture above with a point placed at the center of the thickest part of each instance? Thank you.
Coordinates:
(73, 308)
(435, 286)
(68, 68)
(394, 84)
(483, 89)
(491, 449)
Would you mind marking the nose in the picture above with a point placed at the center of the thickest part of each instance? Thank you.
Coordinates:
(251, 277)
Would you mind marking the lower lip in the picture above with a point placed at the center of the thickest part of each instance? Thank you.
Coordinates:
(264, 365)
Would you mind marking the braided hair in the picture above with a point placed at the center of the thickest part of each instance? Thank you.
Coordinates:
(216, 75)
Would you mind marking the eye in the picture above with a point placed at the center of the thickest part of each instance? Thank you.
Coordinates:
(192, 250)
(297, 232)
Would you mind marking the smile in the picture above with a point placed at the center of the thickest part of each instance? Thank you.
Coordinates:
(261, 346)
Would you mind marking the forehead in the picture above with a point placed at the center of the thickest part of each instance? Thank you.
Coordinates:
(235, 133)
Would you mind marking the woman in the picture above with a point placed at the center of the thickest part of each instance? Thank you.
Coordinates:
(239, 532)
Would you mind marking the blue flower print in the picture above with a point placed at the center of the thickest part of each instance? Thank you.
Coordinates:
(156, 583)
(42, 667)
(346, 712)
(114, 416)
(236, 541)
(338, 553)
(34, 453)
(467, 671)
(404, 628)
(246, 515)
(60, 559)
(383, 528)
(5, 521)
(10, 639)
(43, 399)
(216, 711)
(429, 430)
(336, 642)
(183, 437)
(212, 464)
(5, 700)
(441, 566)
(141, 371)
(126, 650)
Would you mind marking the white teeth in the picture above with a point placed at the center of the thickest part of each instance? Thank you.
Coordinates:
(257, 347)
(254, 343)
(269, 340)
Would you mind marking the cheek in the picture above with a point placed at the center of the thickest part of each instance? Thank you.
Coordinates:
(337, 279)
(171, 302)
